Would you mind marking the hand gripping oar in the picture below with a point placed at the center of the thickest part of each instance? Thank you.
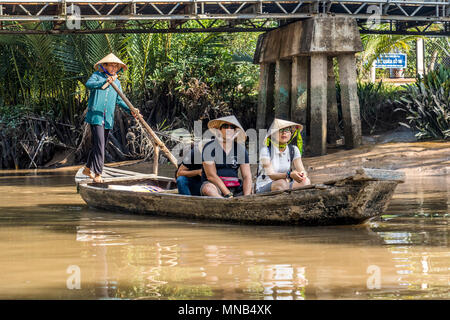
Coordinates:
(109, 74)
(147, 128)
(105, 85)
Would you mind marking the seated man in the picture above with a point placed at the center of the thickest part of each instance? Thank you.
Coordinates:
(222, 158)
(189, 173)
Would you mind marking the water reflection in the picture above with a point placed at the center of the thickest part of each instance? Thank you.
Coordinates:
(418, 235)
(46, 227)
(284, 282)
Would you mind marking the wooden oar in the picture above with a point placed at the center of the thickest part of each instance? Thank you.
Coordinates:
(107, 73)
(153, 137)
(105, 85)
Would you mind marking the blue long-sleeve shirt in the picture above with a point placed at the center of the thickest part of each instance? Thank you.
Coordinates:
(102, 102)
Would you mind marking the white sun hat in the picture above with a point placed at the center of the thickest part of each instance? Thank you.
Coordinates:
(214, 127)
(279, 124)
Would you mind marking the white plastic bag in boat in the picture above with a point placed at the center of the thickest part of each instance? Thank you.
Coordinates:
(136, 188)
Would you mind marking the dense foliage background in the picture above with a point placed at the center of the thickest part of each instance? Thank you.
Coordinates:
(175, 79)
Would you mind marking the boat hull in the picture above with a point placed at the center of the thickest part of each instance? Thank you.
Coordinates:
(353, 200)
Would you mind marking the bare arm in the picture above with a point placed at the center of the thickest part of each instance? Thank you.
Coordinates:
(299, 174)
(211, 175)
(247, 177)
(298, 165)
(267, 165)
(184, 171)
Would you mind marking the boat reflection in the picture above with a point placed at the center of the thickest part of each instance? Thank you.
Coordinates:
(220, 263)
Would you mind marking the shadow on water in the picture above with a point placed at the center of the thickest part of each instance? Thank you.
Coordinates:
(68, 217)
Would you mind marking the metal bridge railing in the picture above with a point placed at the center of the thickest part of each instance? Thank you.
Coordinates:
(410, 12)
(405, 10)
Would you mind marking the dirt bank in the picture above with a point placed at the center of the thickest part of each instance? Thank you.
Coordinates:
(413, 158)
(424, 158)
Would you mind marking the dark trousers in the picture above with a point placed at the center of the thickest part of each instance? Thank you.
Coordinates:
(96, 157)
(189, 186)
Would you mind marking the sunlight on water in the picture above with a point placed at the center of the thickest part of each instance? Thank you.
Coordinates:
(53, 246)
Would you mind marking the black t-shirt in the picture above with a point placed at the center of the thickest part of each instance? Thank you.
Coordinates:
(192, 161)
(227, 165)
(189, 161)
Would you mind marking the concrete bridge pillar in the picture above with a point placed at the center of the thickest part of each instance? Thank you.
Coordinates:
(266, 94)
(282, 89)
(318, 125)
(304, 86)
(333, 132)
(299, 89)
(349, 100)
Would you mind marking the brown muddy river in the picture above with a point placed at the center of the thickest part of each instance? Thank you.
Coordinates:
(52, 246)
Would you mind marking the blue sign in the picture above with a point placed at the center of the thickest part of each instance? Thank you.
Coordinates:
(391, 60)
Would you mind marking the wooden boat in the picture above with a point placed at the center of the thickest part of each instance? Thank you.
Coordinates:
(353, 199)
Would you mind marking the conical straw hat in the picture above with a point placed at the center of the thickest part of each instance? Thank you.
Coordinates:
(110, 58)
(214, 126)
(279, 124)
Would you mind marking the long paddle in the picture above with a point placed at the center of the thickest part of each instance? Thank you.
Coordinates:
(109, 74)
(149, 130)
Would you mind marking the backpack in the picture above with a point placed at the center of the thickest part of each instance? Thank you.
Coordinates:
(291, 156)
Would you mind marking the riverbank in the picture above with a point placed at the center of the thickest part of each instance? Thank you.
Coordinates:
(430, 158)
(413, 158)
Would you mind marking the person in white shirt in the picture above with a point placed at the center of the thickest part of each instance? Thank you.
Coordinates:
(280, 162)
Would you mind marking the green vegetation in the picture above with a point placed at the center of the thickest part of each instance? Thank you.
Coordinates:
(436, 52)
(377, 106)
(427, 105)
(165, 70)
(374, 45)
(376, 101)
(173, 79)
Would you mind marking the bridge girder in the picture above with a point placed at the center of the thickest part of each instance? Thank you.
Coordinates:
(134, 16)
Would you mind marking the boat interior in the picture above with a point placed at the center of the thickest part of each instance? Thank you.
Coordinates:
(160, 182)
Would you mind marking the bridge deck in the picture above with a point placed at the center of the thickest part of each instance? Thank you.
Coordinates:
(407, 13)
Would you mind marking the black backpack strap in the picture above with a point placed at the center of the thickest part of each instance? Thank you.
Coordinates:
(204, 147)
(291, 153)
(291, 156)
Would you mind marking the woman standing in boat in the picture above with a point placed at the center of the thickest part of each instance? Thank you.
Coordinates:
(223, 157)
(280, 162)
(101, 106)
